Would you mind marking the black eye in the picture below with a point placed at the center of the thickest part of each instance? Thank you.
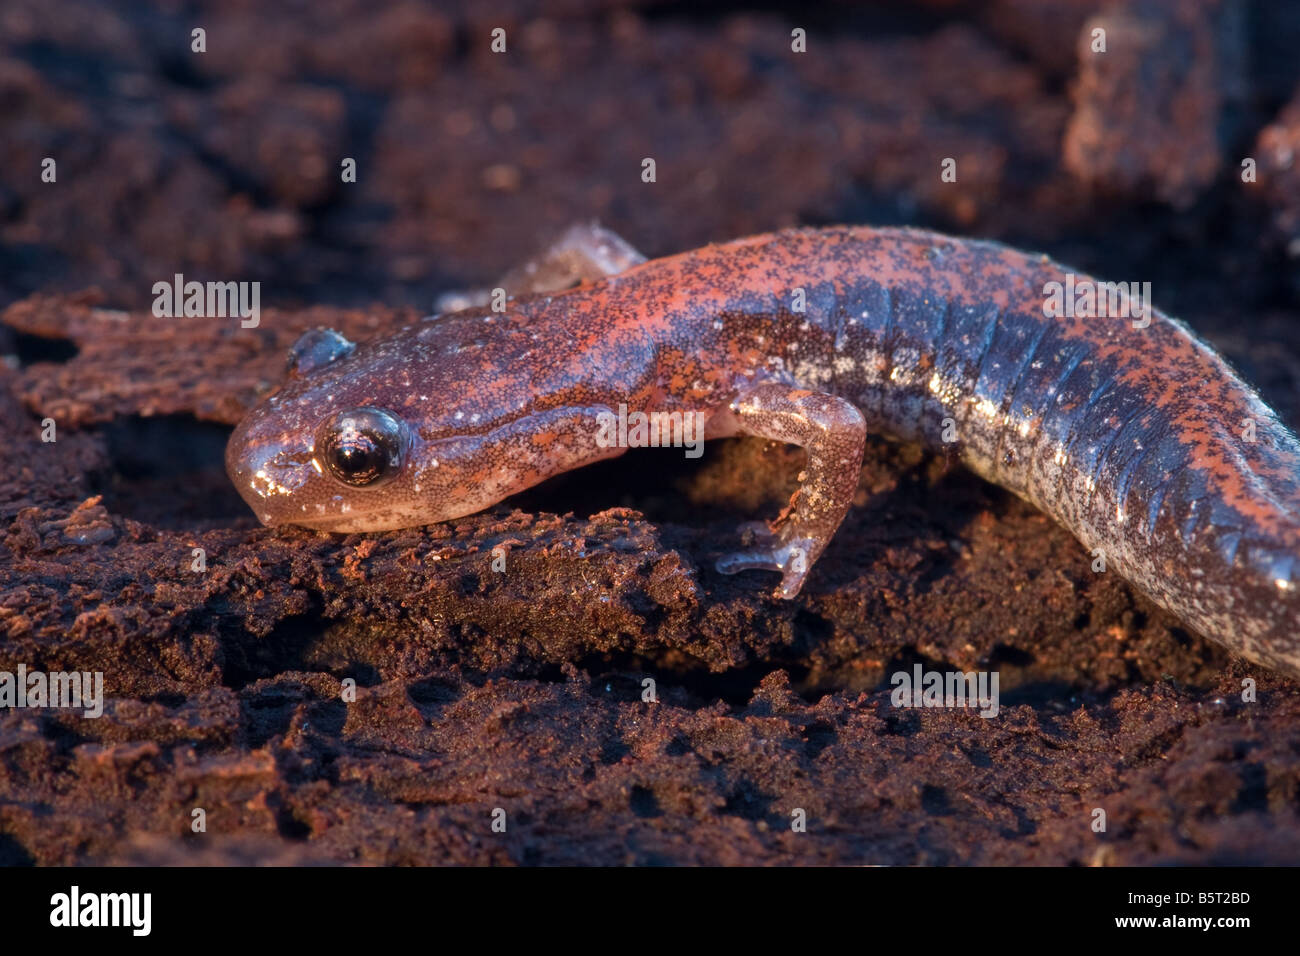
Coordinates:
(363, 446)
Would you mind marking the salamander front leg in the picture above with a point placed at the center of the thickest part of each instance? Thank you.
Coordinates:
(832, 432)
(584, 253)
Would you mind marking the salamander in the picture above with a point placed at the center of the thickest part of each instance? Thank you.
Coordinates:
(1137, 437)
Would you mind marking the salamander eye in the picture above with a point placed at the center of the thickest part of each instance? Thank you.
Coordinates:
(363, 446)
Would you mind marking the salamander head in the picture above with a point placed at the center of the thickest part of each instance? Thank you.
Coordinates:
(352, 443)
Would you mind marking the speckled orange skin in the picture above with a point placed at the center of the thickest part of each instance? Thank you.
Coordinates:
(1131, 438)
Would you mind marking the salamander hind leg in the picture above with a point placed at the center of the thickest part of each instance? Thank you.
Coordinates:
(832, 432)
(585, 252)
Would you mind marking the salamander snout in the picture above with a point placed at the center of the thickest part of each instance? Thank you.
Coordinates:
(269, 464)
(331, 474)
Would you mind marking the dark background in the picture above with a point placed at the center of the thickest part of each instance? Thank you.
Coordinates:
(522, 691)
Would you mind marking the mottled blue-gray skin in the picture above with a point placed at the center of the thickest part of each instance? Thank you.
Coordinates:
(1141, 441)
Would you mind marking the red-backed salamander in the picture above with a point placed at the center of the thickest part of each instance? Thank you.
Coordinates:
(1140, 440)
